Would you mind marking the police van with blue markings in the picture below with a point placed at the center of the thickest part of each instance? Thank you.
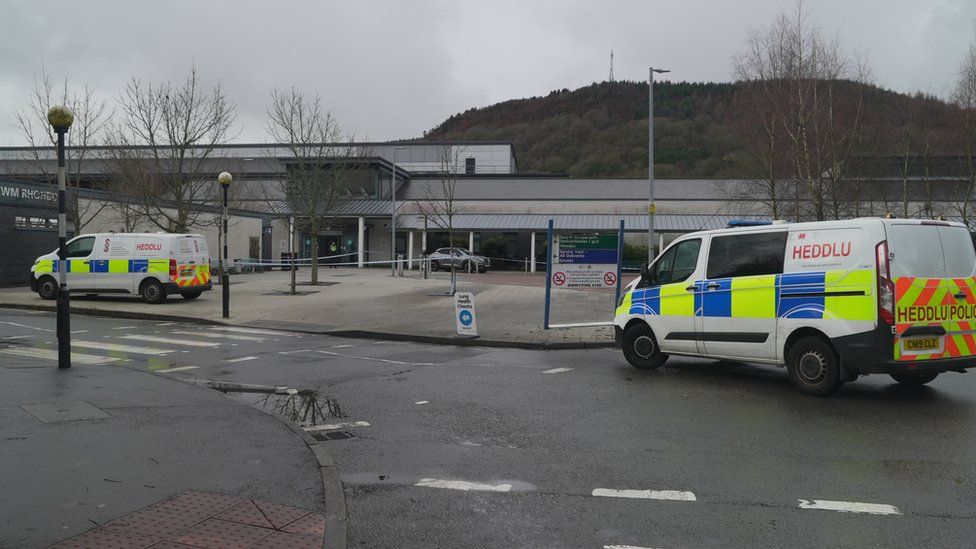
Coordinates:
(152, 265)
(829, 300)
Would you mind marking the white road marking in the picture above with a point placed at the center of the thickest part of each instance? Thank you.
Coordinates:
(672, 495)
(334, 426)
(557, 370)
(26, 326)
(342, 346)
(16, 337)
(242, 359)
(171, 341)
(220, 336)
(850, 507)
(178, 369)
(120, 348)
(463, 485)
(79, 331)
(422, 402)
(625, 547)
(165, 323)
(293, 352)
(49, 354)
(254, 331)
(386, 360)
(125, 328)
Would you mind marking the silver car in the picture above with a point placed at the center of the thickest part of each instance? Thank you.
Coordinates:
(459, 258)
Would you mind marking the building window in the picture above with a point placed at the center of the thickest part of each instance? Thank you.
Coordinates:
(29, 222)
(469, 166)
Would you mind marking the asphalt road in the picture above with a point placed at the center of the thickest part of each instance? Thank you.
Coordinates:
(469, 446)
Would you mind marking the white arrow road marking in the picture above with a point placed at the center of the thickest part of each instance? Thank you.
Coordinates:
(335, 426)
(49, 354)
(463, 485)
(177, 369)
(254, 331)
(850, 507)
(120, 348)
(242, 359)
(171, 341)
(672, 495)
(220, 336)
(557, 370)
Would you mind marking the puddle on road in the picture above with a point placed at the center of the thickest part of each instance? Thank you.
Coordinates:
(306, 407)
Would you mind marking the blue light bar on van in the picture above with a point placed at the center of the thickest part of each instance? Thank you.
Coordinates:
(747, 223)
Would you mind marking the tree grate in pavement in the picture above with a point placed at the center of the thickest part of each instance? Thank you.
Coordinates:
(207, 519)
(323, 436)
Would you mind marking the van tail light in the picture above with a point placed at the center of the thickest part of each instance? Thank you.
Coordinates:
(886, 287)
(172, 268)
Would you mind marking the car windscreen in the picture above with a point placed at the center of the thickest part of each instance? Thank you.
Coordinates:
(931, 251)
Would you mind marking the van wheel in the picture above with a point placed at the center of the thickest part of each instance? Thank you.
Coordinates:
(47, 288)
(434, 265)
(152, 292)
(914, 379)
(813, 367)
(640, 347)
(192, 295)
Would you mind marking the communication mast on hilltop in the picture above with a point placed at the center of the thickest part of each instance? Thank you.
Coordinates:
(611, 65)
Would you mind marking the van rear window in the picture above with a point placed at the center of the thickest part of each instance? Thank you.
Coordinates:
(931, 251)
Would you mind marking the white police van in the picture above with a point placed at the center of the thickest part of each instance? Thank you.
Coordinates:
(829, 300)
(152, 265)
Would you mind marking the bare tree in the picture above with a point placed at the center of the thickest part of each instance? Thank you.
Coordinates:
(795, 73)
(91, 118)
(165, 149)
(439, 205)
(320, 172)
(964, 95)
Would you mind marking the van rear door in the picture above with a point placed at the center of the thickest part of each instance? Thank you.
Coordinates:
(932, 265)
(192, 261)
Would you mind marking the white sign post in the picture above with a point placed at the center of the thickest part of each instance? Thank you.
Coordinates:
(464, 316)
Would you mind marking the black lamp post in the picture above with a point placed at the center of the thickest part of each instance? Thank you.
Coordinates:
(60, 118)
(225, 179)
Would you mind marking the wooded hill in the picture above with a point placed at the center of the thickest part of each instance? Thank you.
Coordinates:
(601, 130)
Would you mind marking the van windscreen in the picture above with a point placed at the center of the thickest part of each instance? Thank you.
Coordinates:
(931, 251)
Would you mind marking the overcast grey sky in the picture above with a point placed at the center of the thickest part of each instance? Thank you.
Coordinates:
(394, 69)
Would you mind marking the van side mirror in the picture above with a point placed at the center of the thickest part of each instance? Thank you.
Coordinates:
(645, 275)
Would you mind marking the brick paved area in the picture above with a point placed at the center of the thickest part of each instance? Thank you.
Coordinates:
(207, 520)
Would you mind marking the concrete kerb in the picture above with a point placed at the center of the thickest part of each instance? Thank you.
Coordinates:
(334, 497)
(353, 334)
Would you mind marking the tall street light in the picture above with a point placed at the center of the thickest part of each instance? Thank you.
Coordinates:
(61, 117)
(651, 207)
(393, 217)
(225, 179)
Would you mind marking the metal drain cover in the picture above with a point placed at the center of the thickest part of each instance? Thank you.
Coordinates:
(332, 435)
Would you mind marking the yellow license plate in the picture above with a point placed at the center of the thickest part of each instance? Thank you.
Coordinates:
(921, 344)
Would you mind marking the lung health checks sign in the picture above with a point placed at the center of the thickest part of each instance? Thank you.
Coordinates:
(584, 261)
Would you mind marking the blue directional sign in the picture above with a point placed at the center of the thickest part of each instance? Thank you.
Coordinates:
(465, 317)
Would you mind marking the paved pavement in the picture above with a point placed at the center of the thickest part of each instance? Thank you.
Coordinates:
(472, 446)
(81, 447)
(509, 306)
